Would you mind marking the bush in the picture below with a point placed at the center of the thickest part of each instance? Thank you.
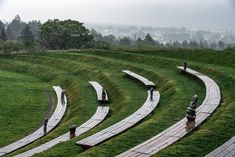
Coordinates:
(11, 46)
(101, 45)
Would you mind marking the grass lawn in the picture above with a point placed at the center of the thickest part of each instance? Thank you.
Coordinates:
(23, 103)
(35, 73)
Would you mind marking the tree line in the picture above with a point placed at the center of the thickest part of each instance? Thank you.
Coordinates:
(149, 42)
(71, 34)
(53, 34)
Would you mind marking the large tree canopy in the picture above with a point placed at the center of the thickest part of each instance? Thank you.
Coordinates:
(56, 34)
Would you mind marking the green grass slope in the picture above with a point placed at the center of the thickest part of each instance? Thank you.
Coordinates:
(24, 100)
(35, 73)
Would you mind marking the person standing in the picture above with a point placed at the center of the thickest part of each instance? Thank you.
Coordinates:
(185, 65)
(151, 93)
(45, 125)
(103, 95)
(62, 96)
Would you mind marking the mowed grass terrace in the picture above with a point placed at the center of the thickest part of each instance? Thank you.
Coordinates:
(27, 96)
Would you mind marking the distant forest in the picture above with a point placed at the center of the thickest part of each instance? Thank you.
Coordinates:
(70, 34)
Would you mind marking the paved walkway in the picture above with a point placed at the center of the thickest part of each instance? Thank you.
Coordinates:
(52, 123)
(226, 150)
(179, 130)
(123, 125)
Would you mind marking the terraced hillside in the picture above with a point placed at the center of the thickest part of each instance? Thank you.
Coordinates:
(27, 96)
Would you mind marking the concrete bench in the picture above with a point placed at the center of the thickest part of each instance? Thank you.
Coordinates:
(123, 125)
(145, 81)
(96, 119)
(52, 123)
(99, 90)
(225, 150)
(178, 130)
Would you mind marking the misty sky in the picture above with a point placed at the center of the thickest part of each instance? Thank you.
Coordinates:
(204, 14)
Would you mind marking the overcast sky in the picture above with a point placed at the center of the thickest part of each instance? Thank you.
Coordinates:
(205, 14)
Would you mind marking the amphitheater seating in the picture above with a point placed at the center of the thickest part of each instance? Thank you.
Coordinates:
(225, 150)
(178, 130)
(96, 119)
(52, 123)
(126, 123)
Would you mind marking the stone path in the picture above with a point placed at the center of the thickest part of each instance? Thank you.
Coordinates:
(226, 150)
(179, 130)
(126, 123)
(52, 123)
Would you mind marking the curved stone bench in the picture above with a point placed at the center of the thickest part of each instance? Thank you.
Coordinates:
(96, 119)
(123, 125)
(99, 89)
(145, 81)
(178, 130)
(52, 123)
(225, 150)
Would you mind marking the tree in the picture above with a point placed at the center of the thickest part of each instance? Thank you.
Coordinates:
(149, 40)
(221, 45)
(3, 35)
(110, 39)
(14, 28)
(158, 44)
(168, 45)
(139, 40)
(34, 26)
(203, 44)
(185, 44)
(56, 34)
(193, 44)
(126, 41)
(27, 36)
(2, 25)
(213, 45)
(96, 36)
(176, 44)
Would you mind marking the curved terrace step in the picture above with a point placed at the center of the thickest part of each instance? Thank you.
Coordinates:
(52, 123)
(145, 81)
(225, 150)
(125, 124)
(178, 130)
(99, 91)
(96, 119)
